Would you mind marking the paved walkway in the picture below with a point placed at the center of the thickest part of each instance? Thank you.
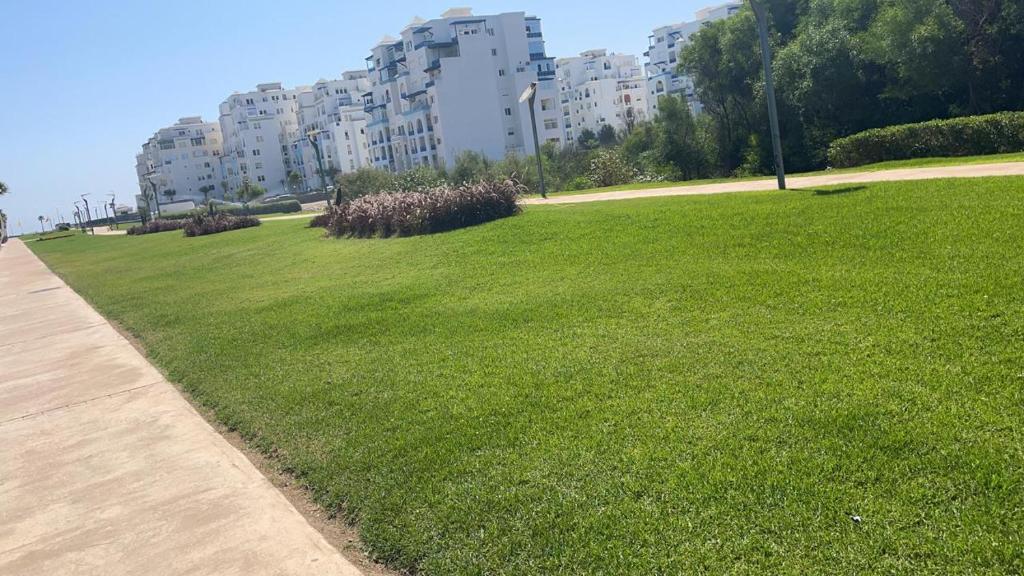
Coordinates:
(106, 469)
(964, 171)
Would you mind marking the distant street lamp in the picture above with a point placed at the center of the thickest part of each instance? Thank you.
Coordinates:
(152, 185)
(761, 14)
(530, 96)
(113, 209)
(312, 137)
(87, 214)
(78, 217)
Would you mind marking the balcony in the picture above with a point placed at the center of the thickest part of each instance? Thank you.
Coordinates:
(534, 56)
(546, 74)
(434, 65)
(534, 35)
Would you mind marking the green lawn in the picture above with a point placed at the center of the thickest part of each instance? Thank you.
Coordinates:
(894, 165)
(707, 384)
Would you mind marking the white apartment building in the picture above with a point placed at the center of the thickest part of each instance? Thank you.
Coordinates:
(599, 89)
(259, 128)
(663, 56)
(333, 113)
(183, 158)
(452, 85)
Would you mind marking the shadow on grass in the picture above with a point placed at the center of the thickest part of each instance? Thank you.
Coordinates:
(837, 191)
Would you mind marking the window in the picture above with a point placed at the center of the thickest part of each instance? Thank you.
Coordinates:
(551, 124)
(255, 151)
(508, 111)
(261, 178)
(501, 72)
(547, 104)
(494, 51)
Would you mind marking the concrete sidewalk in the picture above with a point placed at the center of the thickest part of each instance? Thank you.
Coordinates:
(797, 182)
(105, 469)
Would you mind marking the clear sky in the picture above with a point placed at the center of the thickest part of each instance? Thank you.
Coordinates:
(85, 83)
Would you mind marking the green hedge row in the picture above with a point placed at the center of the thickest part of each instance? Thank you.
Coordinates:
(286, 207)
(1000, 133)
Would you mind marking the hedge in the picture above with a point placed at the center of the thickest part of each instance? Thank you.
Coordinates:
(156, 226)
(286, 207)
(205, 224)
(1000, 133)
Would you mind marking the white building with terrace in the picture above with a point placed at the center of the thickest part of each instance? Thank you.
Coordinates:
(666, 43)
(259, 128)
(332, 113)
(452, 84)
(180, 161)
(600, 89)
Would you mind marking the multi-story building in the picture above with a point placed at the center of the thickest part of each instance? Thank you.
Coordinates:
(259, 129)
(663, 76)
(332, 113)
(452, 85)
(181, 160)
(600, 89)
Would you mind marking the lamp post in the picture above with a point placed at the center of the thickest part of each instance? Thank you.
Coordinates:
(761, 14)
(113, 209)
(78, 217)
(152, 185)
(312, 137)
(87, 214)
(530, 96)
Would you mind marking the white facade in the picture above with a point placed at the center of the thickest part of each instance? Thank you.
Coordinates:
(663, 57)
(183, 158)
(259, 128)
(333, 112)
(599, 89)
(452, 85)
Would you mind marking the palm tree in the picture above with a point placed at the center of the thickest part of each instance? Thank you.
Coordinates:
(42, 223)
(3, 189)
(170, 194)
(249, 192)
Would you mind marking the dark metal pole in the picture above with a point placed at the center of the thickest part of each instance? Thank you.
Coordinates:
(761, 13)
(536, 142)
(319, 162)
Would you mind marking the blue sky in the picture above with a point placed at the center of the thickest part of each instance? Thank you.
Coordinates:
(86, 83)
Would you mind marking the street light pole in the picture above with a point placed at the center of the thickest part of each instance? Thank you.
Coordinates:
(530, 96)
(761, 14)
(319, 160)
(87, 214)
(113, 209)
(152, 186)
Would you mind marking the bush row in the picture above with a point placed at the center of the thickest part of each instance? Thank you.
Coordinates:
(205, 224)
(423, 212)
(968, 136)
(155, 226)
(285, 207)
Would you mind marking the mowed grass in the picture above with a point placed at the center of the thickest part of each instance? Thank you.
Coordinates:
(879, 167)
(682, 385)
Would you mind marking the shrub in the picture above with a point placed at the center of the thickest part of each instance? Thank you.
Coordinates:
(205, 224)
(609, 168)
(968, 136)
(324, 219)
(417, 179)
(426, 212)
(363, 182)
(155, 226)
(283, 207)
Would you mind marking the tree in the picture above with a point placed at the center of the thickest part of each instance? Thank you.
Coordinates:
(249, 192)
(206, 191)
(3, 189)
(606, 136)
(362, 182)
(42, 223)
(294, 181)
(470, 167)
(588, 140)
(170, 193)
(678, 143)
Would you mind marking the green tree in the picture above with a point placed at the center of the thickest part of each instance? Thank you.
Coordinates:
(362, 182)
(588, 140)
(42, 224)
(3, 189)
(170, 193)
(294, 181)
(248, 192)
(207, 191)
(606, 136)
(678, 142)
(470, 167)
